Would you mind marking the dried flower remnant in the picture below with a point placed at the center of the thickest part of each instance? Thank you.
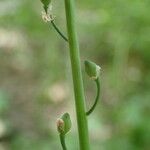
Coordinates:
(60, 125)
(47, 17)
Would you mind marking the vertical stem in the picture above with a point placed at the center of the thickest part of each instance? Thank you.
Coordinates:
(62, 140)
(77, 76)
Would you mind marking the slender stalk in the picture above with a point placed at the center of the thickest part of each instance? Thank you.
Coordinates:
(96, 99)
(77, 76)
(58, 31)
(62, 140)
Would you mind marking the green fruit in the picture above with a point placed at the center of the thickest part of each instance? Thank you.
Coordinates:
(92, 69)
(67, 122)
(64, 124)
(46, 2)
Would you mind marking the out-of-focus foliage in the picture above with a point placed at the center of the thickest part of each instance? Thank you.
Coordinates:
(35, 76)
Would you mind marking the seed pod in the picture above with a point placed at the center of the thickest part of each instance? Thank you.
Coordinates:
(64, 124)
(46, 4)
(92, 69)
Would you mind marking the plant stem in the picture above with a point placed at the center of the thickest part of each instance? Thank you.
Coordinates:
(62, 140)
(96, 99)
(77, 76)
(58, 31)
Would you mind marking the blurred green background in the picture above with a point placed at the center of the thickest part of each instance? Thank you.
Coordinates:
(35, 77)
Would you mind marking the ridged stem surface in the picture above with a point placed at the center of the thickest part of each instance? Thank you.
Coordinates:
(77, 76)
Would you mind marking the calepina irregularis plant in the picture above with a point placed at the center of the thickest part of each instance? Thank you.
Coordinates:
(92, 70)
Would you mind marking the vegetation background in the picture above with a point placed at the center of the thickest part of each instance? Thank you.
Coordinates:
(36, 83)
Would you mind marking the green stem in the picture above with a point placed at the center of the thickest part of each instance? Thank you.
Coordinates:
(97, 97)
(77, 76)
(58, 31)
(62, 140)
